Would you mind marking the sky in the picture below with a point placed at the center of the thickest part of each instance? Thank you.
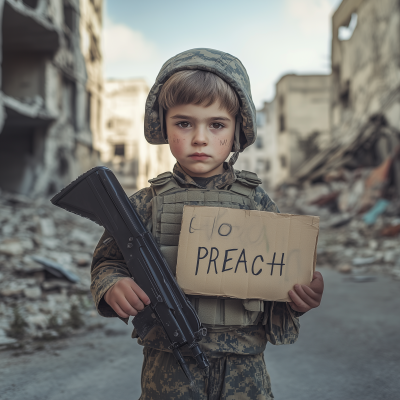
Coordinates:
(271, 38)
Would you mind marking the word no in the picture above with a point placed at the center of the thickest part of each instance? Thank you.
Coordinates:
(214, 254)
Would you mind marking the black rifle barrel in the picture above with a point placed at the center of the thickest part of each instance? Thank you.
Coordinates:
(98, 196)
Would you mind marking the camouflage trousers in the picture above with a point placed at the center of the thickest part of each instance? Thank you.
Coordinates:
(234, 377)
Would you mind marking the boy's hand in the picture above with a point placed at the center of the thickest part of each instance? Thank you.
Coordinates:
(306, 297)
(126, 298)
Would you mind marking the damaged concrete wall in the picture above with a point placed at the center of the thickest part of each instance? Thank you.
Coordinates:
(125, 147)
(262, 156)
(365, 65)
(302, 104)
(46, 139)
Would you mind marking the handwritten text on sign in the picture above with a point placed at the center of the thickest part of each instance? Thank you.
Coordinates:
(245, 254)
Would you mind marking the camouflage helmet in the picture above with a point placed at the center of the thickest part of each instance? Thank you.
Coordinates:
(227, 67)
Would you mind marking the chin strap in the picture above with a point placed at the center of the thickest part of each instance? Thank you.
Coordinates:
(161, 118)
(236, 141)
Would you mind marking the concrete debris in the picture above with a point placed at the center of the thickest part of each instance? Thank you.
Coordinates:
(372, 215)
(45, 257)
(56, 269)
(391, 230)
(355, 190)
(362, 279)
(363, 260)
(345, 268)
(11, 247)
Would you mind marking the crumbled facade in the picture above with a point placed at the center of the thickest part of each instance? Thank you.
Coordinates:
(365, 66)
(302, 108)
(46, 123)
(125, 148)
(262, 156)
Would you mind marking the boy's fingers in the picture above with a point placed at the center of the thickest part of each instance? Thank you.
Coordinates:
(294, 307)
(298, 301)
(317, 284)
(134, 300)
(309, 300)
(140, 293)
(310, 292)
(118, 310)
(126, 307)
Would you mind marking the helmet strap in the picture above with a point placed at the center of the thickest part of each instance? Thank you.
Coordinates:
(161, 118)
(236, 141)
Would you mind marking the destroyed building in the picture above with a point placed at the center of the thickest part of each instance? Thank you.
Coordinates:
(261, 157)
(365, 97)
(290, 129)
(125, 148)
(302, 120)
(47, 102)
(353, 184)
(365, 65)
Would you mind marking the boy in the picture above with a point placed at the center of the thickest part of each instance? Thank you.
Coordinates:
(201, 105)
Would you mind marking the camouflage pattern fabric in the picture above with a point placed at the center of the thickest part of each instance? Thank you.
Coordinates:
(235, 353)
(233, 377)
(108, 265)
(227, 67)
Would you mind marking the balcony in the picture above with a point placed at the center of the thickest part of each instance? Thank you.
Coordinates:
(25, 29)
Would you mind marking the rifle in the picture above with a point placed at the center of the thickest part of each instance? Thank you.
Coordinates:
(98, 196)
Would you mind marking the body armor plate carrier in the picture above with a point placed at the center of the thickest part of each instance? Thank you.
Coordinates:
(167, 205)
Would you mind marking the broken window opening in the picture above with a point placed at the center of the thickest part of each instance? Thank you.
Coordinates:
(98, 114)
(94, 49)
(88, 109)
(259, 142)
(69, 18)
(344, 95)
(119, 149)
(31, 3)
(63, 164)
(69, 103)
(283, 161)
(282, 123)
(346, 32)
(267, 165)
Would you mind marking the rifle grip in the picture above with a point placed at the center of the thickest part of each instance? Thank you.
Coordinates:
(144, 322)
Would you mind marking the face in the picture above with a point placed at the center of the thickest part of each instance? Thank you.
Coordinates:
(200, 138)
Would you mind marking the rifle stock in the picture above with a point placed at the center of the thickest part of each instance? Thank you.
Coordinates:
(98, 196)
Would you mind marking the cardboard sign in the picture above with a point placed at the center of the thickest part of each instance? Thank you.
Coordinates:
(245, 254)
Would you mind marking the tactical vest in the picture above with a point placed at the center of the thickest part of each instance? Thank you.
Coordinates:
(167, 205)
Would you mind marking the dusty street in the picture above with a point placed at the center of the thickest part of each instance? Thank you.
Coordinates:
(348, 349)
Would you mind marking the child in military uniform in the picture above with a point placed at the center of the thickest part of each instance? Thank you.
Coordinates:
(201, 106)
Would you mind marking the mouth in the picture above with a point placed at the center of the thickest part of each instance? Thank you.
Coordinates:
(199, 156)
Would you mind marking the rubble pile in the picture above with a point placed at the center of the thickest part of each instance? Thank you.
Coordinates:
(355, 189)
(45, 256)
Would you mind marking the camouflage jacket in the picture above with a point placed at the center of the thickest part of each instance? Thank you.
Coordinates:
(280, 322)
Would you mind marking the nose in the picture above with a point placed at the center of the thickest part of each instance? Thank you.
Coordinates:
(200, 137)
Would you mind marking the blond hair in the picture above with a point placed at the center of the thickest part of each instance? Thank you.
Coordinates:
(200, 88)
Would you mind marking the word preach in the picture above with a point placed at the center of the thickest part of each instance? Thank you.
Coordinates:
(245, 254)
(241, 259)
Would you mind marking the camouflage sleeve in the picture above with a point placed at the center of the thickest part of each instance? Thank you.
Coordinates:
(108, 267)
(141, 201)
(281, 323)
(264, 202)
(108, 264)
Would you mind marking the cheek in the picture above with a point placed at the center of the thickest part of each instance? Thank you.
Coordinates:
(177, 145)
(223, 146)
